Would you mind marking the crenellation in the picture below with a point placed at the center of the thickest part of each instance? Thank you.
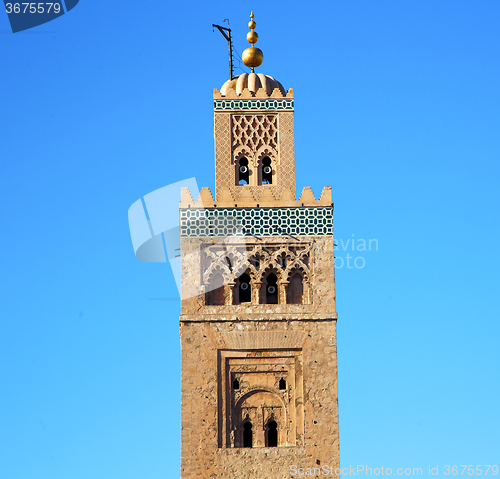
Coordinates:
(249, 197)
(307, 196)
(225, 198)
(326, 196)
(206, 197)
(261, 93)
(186, 197)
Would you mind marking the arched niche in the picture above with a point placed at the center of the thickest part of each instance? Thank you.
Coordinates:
(266, 171)
(269, 289)
(214, 295)
(295, 288)
(243, 289)
(259, 407)
(242, 171)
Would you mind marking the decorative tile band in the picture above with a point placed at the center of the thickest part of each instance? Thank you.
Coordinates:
(251, 105)
(226, 222)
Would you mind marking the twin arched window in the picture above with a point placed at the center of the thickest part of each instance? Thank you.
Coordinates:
(243, 172)
(271, 434)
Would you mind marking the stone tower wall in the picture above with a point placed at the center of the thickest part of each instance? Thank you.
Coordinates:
(254, 128)
(204, 343)
(258, 317)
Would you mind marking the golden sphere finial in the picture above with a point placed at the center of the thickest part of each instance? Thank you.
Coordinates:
(252, 57)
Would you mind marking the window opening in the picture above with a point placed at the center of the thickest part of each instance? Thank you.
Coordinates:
(272, 434)
(243, 172)
(267, 171)
(295, 290)
(247, 434)
(245, 291)
(271, 289)
(215, 294)
(282, 384)
(236, 384)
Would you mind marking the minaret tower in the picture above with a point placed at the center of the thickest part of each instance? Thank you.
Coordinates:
(258, 319)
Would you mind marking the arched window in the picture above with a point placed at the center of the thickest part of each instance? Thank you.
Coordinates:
(272, 434)
(271, 289)
(236, 384)
(247, 434)
(215, 293)
(266, 173)
(282, 384)
(243, 172)
(244, 289)
(295, 289)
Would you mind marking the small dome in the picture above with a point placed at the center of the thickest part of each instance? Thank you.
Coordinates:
(252, 81)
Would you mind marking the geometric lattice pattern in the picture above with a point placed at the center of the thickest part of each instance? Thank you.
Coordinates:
(252, 105)
(286, 151)
(255, 131)
(226, 222)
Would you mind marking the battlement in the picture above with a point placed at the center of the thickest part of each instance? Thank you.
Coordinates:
(254, 198)
(247, 94)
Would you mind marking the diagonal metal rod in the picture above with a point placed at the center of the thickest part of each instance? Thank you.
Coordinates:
(227, 35)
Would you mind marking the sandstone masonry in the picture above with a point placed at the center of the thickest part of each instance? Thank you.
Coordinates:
(258, 318)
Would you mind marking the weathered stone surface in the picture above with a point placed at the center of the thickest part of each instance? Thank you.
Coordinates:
(258, 318)
(205, 448)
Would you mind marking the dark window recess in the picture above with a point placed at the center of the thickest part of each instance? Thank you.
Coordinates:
(282, 384)
(271, 289)
(236, 384)
(267, 171)
(245, 291)
(272, 434)
(243, 172)
(215, 294)
(295, 290)
(247, 434)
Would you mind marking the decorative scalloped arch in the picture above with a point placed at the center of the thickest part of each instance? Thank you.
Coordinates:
(242, 152)
(271, 268)
(293, 269)
(217, 268)
(263, 152)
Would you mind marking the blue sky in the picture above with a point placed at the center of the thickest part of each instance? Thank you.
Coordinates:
(397, 108)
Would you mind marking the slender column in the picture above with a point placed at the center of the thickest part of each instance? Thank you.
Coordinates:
(306, 292)
(256, 285)
(282, 291)
(228, 293)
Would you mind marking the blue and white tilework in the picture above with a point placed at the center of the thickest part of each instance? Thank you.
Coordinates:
(225, 222)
